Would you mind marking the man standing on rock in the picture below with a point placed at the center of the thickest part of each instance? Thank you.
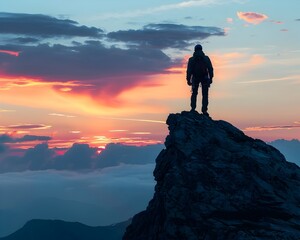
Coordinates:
(199, 70)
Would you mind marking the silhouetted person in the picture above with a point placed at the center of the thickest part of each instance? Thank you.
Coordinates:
(199, 70)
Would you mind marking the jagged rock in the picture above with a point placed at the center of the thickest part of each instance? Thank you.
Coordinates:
(215, 183)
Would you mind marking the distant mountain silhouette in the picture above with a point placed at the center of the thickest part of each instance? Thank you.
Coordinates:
(216, 183)
(60, 230)
(290, 149)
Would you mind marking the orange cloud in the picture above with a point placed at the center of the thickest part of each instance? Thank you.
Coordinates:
(252, 17)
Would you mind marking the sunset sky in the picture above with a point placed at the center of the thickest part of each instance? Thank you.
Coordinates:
(101, 72)
(86, 88)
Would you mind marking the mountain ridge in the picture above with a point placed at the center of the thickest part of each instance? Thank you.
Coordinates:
(37, 229)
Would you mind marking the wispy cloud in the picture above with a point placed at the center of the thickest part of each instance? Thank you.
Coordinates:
(61, 115)
(28, 126)
(271, 80)
(75, 132)
(162, 8)
(272, 128)
(118, 130)
(141, 133)
(276, 22)
(252, 17)
(6, 110)
(135, 120)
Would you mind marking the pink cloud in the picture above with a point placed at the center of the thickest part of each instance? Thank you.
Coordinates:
(229, 20)
(252, 17)
(12, 53)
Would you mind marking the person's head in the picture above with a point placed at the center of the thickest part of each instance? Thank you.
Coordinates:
(198, 47)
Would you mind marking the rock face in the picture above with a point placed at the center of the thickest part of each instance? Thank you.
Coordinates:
(215, 183)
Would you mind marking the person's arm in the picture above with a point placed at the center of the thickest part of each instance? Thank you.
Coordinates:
(189, 72)
(210, 68)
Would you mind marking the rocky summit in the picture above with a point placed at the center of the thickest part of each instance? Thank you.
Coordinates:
(215, 183)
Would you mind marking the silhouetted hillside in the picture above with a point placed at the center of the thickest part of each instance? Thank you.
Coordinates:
(216, 183)
(60, 230)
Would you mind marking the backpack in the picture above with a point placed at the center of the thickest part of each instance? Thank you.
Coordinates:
(199, 68)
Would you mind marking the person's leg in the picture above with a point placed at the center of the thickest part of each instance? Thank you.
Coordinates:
(205, 88)
(194, 96)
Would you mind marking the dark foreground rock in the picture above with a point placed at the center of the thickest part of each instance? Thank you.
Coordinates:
(215, 183)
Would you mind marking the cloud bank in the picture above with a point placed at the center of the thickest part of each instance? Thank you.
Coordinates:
(80, 157)
(95, 198)
(90, 60)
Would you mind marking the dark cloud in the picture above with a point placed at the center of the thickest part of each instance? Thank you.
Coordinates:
(80, 157)
(33, 158)
(24, 40)
(166, 35)
(30, 138)
(44, 26)
(3, 147)
(89, 61)
(38, 158)
(27, 138)
(115, 154)
(97, 69)
(298, 19)
(28, 126)
(5, 138)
